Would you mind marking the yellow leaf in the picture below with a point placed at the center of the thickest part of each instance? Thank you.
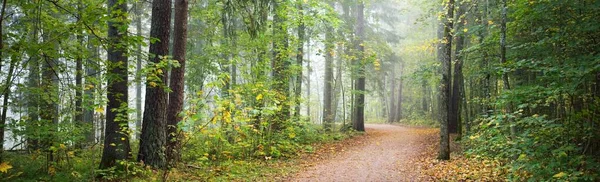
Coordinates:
(465, 30)
(99, 109)
(4, 167)
(259, 97)
(560, 175)
(62, 146)
(152, 84)
(490, 22)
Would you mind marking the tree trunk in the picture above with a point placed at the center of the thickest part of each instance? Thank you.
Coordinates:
(300, 58)
(457, 83)
(153, 137)
(392, 96)
(116, 143)
(444, 153)
(5, 97)
(359, 122)
(89, 98)
(328, 79)
(138, 71)
(398, 113)
(280, 64)
(176, 97)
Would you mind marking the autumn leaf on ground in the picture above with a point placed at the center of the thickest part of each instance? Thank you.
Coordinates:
(4, 167)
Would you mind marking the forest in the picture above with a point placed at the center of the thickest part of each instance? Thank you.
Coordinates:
(300, 90)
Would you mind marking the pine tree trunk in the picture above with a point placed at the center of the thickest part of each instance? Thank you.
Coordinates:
(153, 137)
(177, 82)
(116, 142)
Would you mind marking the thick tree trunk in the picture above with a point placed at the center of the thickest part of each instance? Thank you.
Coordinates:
(177, 82)
(153, 137)
(116, 143)
(444, 153)
(359, 120)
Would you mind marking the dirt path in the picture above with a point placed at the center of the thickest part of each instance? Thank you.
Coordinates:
(385, 154)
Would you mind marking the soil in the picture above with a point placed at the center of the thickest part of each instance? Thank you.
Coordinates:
(384, 153)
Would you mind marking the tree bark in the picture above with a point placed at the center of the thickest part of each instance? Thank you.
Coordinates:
(444, 153)
(116, 143)
(328, 79)
(280, 64)
(153, 137)
(300, 58)
(176, 97)
(359, 120)
(138, 71)
(457, 83)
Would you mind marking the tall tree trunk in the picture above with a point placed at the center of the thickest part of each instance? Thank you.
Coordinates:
(33, 96)
(338, 82)
(309, 73)
(154, 126)
(89, 98)
(328, 79)
(392, 96)
(300, 57)
(444, 153)
(398, 112)
(280, 63)
(177, 82)
(5, 97)
(116, 142)
(457, 83)
(138, 71)
(359, 109)
(79, 75)
(505, 80)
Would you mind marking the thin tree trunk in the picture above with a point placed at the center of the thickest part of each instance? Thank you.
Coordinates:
(328, 79)
(6, 94)
(177, 82)
(89, 100)
(153, 137)
(116, 143)
(138, 71)
(300, 58)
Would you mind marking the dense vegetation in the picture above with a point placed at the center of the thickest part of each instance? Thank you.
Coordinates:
(234, 89)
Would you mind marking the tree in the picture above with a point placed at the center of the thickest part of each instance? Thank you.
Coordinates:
(457, 83)
(328, 78)
(116, 142)
(280, 62)
(358, 123)
(445, 84)
(153, 137)
(300, 57)
(177, 82)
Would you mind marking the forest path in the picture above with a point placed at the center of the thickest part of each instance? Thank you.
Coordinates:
(386, 153)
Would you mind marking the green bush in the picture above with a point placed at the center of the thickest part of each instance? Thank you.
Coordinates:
(540, 150)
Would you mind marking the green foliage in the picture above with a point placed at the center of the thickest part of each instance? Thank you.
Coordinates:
(543, 148)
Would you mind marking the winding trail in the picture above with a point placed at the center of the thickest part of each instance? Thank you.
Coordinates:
(385, 154)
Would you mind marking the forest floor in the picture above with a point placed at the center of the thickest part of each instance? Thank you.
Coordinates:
(384, 153)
